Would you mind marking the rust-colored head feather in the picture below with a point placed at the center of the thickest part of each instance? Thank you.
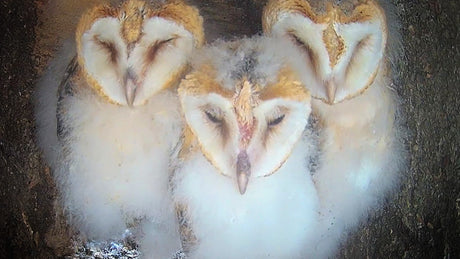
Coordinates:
(186, 15)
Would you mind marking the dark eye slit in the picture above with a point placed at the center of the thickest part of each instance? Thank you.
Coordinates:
(296, 39)
(213, 118)
(110, 47)
(305, 47)
(276, 121)
(365, 42)
(168, 40)
(155, 47)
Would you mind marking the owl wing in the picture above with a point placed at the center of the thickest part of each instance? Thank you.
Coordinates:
(66, 89)
(45, 100)
(188, 238)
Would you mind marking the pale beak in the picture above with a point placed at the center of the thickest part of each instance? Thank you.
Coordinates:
(331, 88)
(130, 86)
(243, 171)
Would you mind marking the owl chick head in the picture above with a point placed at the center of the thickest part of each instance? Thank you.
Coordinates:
(244, 107)
(131, 52)
(343, 42)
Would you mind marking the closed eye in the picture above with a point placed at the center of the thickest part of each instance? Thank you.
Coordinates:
(362, 45)
(110, 47)
(276, 121)
(213, 118)
(272, 129)
(307, 49)
(296, 39)
(155, 48)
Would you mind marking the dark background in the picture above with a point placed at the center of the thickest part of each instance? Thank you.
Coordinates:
(422, 218)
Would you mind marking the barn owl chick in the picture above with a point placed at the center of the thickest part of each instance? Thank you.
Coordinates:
(346, 66)
(118, 115)
(241, 187)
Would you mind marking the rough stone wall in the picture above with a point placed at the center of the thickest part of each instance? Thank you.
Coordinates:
(26, 189)
(422, 218)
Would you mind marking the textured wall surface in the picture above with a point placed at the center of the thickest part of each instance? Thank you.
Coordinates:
(420, 220)
(423, 219)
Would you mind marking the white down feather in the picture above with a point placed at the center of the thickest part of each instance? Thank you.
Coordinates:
(112, 167)
(45, 102)
(362, 152)
(362, 156)
(273, 219)
(277, 215)
(117, 168)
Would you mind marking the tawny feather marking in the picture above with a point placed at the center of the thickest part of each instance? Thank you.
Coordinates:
(244, 100)
(110, 47)
(154, 49)
(185, 15)
(133, 20)
(287, 86)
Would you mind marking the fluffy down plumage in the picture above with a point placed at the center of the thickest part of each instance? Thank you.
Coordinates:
(348, 49)
(108, 119)
(274, 215)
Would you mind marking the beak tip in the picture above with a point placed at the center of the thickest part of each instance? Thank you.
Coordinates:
(243, 171)
(130, 85)
(130, 102)
(130, 94)
(243, 183)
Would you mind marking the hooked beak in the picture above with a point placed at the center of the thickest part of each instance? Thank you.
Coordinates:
(331, 89)
(243, 171)
(130, 86)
